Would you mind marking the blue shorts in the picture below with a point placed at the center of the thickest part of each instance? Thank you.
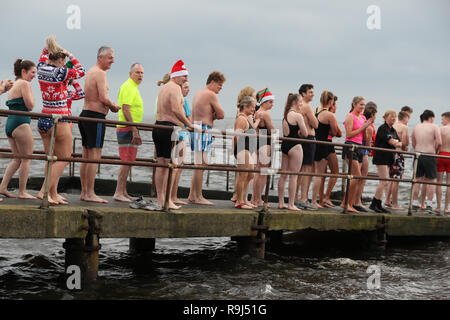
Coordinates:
(201, 141)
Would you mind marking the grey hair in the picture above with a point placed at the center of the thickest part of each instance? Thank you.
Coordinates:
(245, 102)
(135, 64)
(103, 50)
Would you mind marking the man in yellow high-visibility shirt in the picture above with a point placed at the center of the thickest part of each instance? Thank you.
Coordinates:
(128, 136)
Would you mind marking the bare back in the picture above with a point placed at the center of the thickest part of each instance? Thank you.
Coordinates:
(403, 134)
(170, 103)
(309, 118)
(204, 107)
(426, 137)
(445, 136)
(94, 85)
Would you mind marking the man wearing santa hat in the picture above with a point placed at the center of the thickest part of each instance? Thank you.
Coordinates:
(170, 112)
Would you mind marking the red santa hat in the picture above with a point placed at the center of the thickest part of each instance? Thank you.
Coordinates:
(179, 70)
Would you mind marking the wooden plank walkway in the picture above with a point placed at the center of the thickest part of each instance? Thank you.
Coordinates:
(24, 219)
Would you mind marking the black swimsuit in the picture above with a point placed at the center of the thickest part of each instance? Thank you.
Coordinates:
(293, 133)
(322, 132)
(250, 143)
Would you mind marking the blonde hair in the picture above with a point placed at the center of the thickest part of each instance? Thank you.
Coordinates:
(52, 46)
(389, 113)
(246, 91)
(164, 80)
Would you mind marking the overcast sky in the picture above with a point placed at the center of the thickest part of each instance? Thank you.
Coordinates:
(274, 44)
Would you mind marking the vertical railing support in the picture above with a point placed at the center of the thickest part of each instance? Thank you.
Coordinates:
(411, 192)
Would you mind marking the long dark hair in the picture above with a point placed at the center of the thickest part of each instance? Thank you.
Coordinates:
(292, 97)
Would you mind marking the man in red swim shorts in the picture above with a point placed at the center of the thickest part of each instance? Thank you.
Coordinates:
(443, 165)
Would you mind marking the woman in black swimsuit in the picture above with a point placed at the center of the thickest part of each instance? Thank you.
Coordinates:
(244, 150)
(327, 126)
(292, 151)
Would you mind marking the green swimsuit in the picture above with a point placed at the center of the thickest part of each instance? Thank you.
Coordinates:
(14, 121)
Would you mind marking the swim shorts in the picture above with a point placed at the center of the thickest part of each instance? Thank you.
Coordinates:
(427, 166)
(443, 165)
(398, 167)
(201, 141)
(127, 151)
(357, 153)
(163, 140)
(92, 133)
(309, 151)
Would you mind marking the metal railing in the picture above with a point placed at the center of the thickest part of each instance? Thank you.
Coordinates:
(145, 162)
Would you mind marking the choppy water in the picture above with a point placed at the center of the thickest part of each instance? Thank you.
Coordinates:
(211, 268)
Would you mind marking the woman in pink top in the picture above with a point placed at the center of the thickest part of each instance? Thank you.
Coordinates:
(355, 126)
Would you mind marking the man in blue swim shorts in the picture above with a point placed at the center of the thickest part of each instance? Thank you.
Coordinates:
(205, 109)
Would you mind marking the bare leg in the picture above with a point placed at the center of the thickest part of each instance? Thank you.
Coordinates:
(282, 181)
(121, 187)
(447, 195)
(321, 167)
(362, 183)
(195, 194)
(295, 157)
(305, 183)
(334, 168)
(356, 171)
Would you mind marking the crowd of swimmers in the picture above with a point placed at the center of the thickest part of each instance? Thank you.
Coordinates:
(58, 70)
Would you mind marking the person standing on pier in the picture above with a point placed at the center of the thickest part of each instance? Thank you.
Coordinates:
(18, 130)
(327, 126)
(170, 112)
(443, 165)
(53, 80)
(128, 138)
(309, 149)
(398, 167)
(246, 91)
(426, 138)
(355, 127)
(291, 151)
(386, 138)
(205, 109)
(244, 150)
(370, 111)
(181, 147)
(96, 105)
(265, 127)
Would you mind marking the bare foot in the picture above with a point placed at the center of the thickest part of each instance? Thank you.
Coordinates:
(447, 212)
(178, 201)
(40, 195)
(437, 210)
(52, 201)
(294, 208)
(351, 209)
(397, 207)
(327, 204)
(26, 195)
(122, 198)
(173, 206)
(283, 206)
(316, 205)
(202, 201)
(94, 198)
(7, 194)
(1, 199)
(390, 205)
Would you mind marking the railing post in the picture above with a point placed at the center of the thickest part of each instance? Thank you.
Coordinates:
(411, 192)
(349, 178)
(50, 160)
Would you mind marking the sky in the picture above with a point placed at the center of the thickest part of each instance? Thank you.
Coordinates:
(275, 44)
